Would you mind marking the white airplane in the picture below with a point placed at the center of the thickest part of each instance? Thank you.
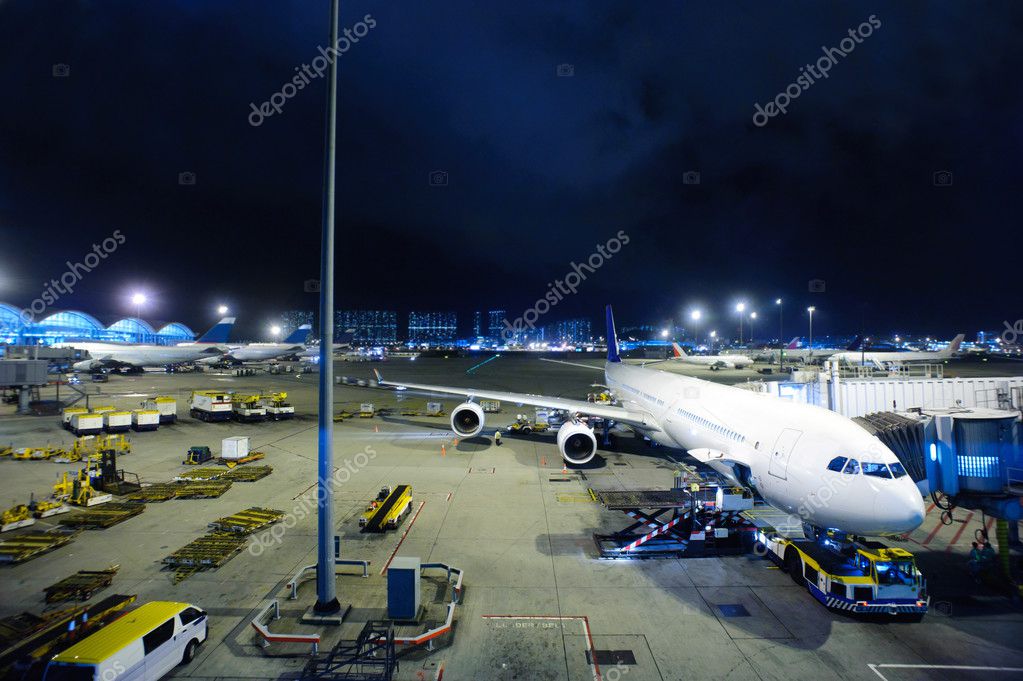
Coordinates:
(805, 355)
(261, 352)
(883, 360)
(139, 355)
(801, 458)
(712, 361)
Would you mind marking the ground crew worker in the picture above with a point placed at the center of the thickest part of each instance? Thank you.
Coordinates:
(497, 438)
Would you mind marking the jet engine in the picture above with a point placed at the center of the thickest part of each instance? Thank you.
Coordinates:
(467, 419)
(577, 442)
(87, 365)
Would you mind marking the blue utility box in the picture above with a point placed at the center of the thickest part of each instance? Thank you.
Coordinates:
(403, 594)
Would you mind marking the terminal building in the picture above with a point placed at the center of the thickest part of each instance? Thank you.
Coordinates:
(20, 328)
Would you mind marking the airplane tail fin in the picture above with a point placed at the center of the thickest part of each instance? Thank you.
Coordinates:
(219, 333)
(856, 343)
(953, 347)
(300, 335)
(793, 344)
(612, 337)
(679, 352)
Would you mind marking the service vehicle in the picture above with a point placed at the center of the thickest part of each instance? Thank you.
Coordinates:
(141, 645)
(210, 405)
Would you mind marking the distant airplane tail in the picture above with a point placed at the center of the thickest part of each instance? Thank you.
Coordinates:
(300, 335)
(219, 333)
(793, 344)
(612, 337)
(856, 343)
(679, 352)
(953, 347)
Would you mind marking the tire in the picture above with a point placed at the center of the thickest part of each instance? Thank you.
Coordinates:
(794, 566)
(189, 651)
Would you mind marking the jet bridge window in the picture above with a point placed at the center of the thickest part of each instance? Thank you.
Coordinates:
(852, 468)
(897, 470)
(837, 464)
(878, 470)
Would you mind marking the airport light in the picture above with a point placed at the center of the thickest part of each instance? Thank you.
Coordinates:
(740, 308)
(752, 317)
(695, 316)
(222, 309)
(139, 299)
(811, 310)
(275, 331)
(664, 333)
(781, 332)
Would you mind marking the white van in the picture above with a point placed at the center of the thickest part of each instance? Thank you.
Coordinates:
(142, 645)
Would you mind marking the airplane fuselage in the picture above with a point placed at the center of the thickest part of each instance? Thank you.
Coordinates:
(782, 448)
(137, 354)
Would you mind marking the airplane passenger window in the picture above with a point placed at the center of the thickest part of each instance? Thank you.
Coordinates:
(853, 467)
(878, 470)
(897, 470)
(837, 464)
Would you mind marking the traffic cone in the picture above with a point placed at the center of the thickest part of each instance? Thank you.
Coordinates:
(376, 429)
(543, 460)
(455, 443)
(443, 450)
(564, 468)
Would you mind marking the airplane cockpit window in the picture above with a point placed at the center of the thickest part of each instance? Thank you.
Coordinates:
(897, 470)
(852, 468)
(837, 464)
(878, 470)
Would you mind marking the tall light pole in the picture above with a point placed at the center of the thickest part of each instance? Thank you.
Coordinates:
(222, 309)
(695, 316)
(275, 331)
(740, 308)
(139, 299)
(326, 587)
(781, 333)
(811, 310)
(752, 318)
(713, 335)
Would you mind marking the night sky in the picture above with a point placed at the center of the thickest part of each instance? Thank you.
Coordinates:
(543, 163)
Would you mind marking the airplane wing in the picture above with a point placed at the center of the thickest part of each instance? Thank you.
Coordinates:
(638, 419)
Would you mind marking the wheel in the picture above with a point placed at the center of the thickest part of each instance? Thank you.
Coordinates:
(527, 429)
(189, 651)
(794, 566)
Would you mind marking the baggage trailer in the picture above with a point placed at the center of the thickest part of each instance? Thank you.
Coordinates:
(167, 406)
(388, 510)
(850, 575)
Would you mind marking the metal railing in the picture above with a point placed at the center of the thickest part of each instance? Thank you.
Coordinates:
(267, 637)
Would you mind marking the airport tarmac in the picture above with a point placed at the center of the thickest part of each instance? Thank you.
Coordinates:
(536, 600)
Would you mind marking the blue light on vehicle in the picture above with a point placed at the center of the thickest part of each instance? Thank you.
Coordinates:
(934, 451)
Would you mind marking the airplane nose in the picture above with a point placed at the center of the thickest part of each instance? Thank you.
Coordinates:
(900, 508)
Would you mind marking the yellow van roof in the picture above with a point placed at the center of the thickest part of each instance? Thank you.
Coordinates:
(115, 636)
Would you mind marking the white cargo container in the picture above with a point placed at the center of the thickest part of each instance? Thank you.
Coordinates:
(86, 424)
(167, 406)
(145, 419)
(236, 447)
(69, 412)
(117, 421)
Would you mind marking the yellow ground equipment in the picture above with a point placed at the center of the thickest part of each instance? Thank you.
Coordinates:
(388, 510)
(367, 410)
(247, 408)
(15, 517)
(79, 490)
(253, 456)
(524, 425)
(277, 407)
(37, 453)
(6, 450)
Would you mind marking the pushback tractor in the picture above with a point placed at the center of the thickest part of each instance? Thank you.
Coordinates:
(857, 576)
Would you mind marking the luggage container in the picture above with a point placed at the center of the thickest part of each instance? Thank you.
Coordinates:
(68, 413)
(145, 419)
(86, 424)
(117, 421)
(167, 406)
(236, 447)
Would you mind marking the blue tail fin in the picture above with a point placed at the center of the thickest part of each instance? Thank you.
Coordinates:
(612, 337)
(300, 335)
(219, 333)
